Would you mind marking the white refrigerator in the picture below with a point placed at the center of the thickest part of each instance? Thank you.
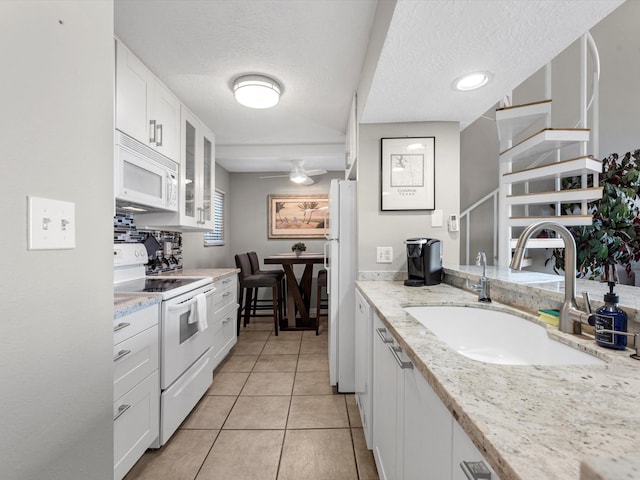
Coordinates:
(341, 264)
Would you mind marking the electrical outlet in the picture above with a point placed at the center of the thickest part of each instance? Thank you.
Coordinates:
(384, 254)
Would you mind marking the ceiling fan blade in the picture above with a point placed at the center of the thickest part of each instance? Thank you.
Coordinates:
(317, 171)
(276, 176)
(308, 181)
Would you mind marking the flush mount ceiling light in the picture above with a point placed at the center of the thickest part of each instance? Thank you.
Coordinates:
(471, 81)
(256, 91)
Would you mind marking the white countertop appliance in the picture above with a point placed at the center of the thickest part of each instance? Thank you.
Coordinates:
(186, 369)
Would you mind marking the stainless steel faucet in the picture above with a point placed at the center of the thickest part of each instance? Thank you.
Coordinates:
(483, 288)
(570, 316)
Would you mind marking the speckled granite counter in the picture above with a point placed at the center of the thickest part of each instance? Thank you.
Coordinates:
(124, 304)
(215, 273)
(530, 422)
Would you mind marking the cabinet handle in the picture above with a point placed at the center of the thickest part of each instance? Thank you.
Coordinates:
(227, 280)
(121, 410)
(120, 326)
(226, 294)
(227, 320)
(395, 351)
(152, 131)
(159, 130)
(382, 337)
(121, 354)
(475, 470)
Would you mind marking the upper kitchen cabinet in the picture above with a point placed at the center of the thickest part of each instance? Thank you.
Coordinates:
(351, 142)
(197, 180)
(145, 109)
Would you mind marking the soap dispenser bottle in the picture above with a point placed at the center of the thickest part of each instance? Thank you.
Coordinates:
(611, 317)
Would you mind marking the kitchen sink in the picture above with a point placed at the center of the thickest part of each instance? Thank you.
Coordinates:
(498, 337)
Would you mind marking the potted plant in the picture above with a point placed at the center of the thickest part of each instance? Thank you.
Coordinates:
(614, 236)
(298, 248)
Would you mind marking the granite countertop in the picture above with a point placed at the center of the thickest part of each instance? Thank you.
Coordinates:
(124, 304)
(215, 273)
(530, 422)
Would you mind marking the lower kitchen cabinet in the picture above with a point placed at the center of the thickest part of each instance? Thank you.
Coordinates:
(136, 387)
(364, 365)
(415, 437)
(224, 323)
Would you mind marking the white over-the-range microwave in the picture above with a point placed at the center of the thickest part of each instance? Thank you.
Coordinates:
(143, 177)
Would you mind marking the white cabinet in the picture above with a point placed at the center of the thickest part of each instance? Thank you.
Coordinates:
(364, 365)
(197, 180)
(388, 390)
(465, 451)
(145, 109)
(224, 318)
(351, 142)
(414, 435)
(136, 387)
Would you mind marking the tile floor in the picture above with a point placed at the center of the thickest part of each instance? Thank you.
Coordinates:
(269, 414)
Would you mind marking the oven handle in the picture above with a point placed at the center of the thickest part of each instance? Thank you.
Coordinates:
(189, 302)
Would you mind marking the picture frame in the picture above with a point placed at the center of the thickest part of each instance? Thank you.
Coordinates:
(407, 176)
(297, 216)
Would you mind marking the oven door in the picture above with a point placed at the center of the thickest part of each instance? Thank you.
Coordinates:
(181, 342)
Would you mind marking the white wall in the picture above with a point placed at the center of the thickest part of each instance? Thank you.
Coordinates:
(389, 229)
(56, 331)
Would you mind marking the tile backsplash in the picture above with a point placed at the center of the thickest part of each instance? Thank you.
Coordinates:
(167, 258)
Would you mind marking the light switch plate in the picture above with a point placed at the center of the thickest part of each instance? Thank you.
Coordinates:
(52, 224)
(384, 254)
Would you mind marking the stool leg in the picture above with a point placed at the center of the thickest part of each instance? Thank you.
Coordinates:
(276, 308)
(247, 305)
(318, 296)
(239, 313)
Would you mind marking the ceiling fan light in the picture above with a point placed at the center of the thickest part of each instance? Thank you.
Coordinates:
(471, 81)
(297, 177)
(256, 91)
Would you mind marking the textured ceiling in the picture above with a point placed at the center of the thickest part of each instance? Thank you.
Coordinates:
(316, 50)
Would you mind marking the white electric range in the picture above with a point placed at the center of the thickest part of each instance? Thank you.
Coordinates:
(186, 368)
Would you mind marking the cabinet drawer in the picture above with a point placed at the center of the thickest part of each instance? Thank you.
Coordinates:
(136, 424)
(225, 335)
(134, 359)
(223, 298)
(134, 323)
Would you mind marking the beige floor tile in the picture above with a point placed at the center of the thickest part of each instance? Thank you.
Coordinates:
(287, 347)
(244, 455)
(318, 411)
(209, 413)
(317, 455)
(227, 383)
(308, 347)
(179, 459)
(353, 411)
(364, 457)
(287, 336)
(254, 336)
(310, 335)
(312, 383)
(260, 413)
(249, 347)
(269, 383)
(258, 325)
(276, 363)
(237, 363)
(317, 362)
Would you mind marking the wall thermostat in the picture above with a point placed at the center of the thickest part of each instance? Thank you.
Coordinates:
(453, 224)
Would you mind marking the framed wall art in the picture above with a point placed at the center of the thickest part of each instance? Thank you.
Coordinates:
(297, 216)
(408, 173)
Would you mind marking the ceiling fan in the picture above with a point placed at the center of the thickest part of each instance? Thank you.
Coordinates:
(299, 174)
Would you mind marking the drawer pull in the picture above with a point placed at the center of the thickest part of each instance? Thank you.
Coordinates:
(395, 351)
(121, 354)
(381, 332)
(121, 410)
(120, 326)
(227, 280)
(226, 294)
(475, 470)
(227, 320)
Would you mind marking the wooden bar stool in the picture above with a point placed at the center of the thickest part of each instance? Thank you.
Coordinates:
(249, 285)
(320, 302)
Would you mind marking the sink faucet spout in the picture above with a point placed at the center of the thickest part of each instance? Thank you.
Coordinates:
(570, 316)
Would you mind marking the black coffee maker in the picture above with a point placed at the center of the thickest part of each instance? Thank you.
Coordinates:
(424, 261)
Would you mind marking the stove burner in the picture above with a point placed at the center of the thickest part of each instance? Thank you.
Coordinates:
(165, 284)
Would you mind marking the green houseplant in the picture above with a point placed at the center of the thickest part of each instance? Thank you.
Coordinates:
(614, 236)
(298, 248)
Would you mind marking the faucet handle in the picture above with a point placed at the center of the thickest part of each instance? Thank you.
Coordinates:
(587, 301)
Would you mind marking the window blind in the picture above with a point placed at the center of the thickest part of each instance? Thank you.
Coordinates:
(216, 236)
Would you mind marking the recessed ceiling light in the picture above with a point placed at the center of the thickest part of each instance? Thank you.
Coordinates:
(256, 91)
(471, 81)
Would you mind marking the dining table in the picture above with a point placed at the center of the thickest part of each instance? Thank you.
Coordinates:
(298, 292)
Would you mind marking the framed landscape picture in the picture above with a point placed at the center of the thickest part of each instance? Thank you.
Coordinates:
(298, 216)
(408, 173)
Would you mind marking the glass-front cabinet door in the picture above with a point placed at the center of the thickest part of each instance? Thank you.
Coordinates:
(189, 161)
(208, 173)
